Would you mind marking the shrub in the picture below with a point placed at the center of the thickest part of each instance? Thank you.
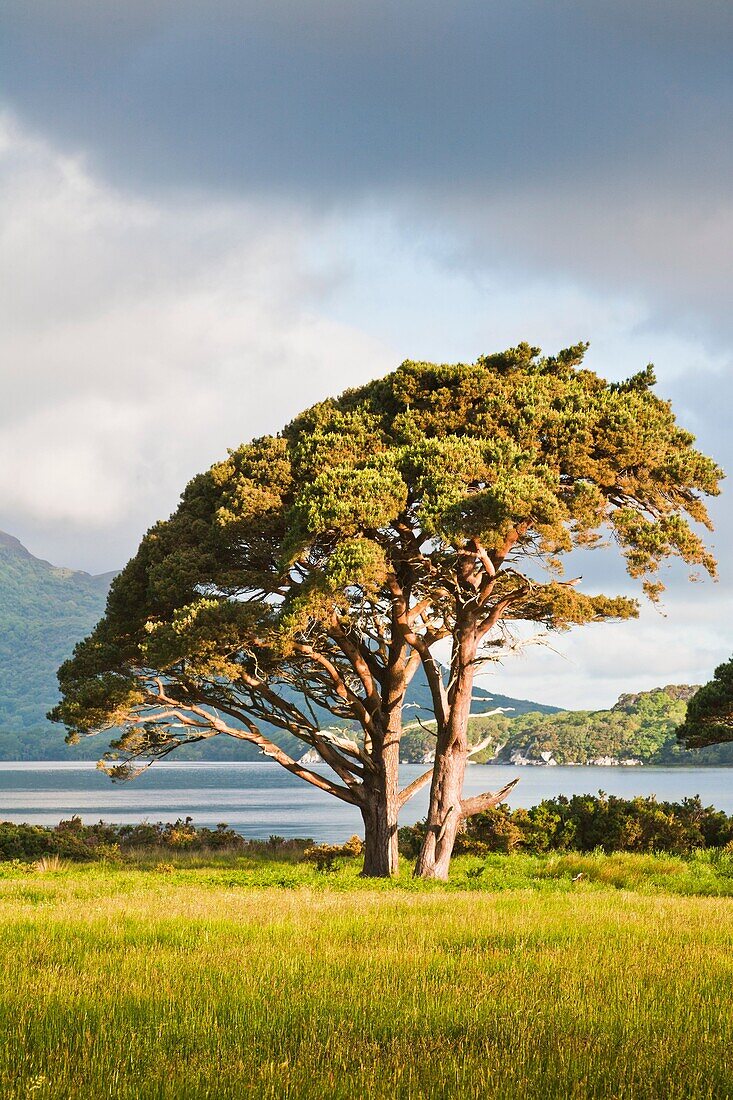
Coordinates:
(325, 855)
(587, 822)
(72, 840)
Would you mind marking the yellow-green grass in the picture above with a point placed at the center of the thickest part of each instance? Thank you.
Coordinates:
(200, 981)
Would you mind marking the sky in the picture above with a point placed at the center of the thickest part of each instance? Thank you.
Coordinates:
(213, 214)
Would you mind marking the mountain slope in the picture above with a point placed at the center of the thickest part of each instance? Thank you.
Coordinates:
(44, 611)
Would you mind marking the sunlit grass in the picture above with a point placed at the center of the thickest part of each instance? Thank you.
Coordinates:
(232, 978)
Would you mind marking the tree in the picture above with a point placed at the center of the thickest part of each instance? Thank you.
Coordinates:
(312, 573)
(709, 718)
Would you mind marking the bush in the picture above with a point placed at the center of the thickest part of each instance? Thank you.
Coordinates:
(75, 841)
(325, 855)
(587, 822)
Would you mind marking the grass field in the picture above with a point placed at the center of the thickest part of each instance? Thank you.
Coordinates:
(227, 978)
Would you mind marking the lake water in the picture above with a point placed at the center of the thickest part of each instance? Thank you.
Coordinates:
(260, 799)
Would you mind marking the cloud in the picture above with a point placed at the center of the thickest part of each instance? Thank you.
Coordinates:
(141, 340)
(588, 668)
(213, 215)
(329, 96)
(586, 141)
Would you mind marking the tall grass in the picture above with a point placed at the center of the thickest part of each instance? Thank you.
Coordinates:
(195, 982)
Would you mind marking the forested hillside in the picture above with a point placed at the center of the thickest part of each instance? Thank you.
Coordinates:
(638, 728)
(44, 610)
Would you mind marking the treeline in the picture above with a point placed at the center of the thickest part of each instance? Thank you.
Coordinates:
(586, 823)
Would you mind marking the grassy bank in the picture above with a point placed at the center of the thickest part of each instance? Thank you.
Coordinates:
(235, 978)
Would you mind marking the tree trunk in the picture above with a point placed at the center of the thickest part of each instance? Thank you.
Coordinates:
(444, 817)
(381, 808)
(445, 813)
(380, 839)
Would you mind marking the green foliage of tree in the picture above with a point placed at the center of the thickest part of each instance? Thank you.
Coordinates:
(433, 504)
(709, 718)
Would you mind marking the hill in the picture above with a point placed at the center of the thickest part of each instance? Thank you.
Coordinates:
(44, 611)
(638, 729)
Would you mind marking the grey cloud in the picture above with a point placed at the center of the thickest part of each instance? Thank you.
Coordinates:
(328, 99)
(524, 143)
(587, 139)
(139, 341)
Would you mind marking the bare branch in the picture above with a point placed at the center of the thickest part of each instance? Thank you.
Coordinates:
(433, 675)
(355, 654)
(482, 744)
(339, 684)
(254, 736)
(345, 769)
(480, 802)
(412, 665)
(269, 748)
(498, 610)
(412, 788)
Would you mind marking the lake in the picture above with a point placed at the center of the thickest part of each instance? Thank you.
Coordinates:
(259, 799)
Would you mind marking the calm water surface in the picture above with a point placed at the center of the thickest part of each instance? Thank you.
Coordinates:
(260, 799)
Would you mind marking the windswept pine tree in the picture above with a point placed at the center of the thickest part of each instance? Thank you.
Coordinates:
(709, 718)
(315, 571)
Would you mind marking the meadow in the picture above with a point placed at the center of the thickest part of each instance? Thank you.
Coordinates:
(224, 977)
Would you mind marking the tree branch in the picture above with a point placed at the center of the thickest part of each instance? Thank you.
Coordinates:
(354, 654)
(498, 610)
(412, 788)
(254, 736)
(269, 748)
(433, 675)
(340, 687)
(482, 744)
(345, 769)
(480, 802)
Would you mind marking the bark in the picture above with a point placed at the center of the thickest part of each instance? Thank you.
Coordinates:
(379, 814)
(380, 792)
(445, 816)
(445, 813)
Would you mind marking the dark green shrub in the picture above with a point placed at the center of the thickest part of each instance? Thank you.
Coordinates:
(586, 822)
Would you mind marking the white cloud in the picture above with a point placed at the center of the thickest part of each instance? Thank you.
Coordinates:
(142, 339)
(589, 667)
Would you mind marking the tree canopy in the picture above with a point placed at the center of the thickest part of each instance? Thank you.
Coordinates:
(323, 564)
(709, 718)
